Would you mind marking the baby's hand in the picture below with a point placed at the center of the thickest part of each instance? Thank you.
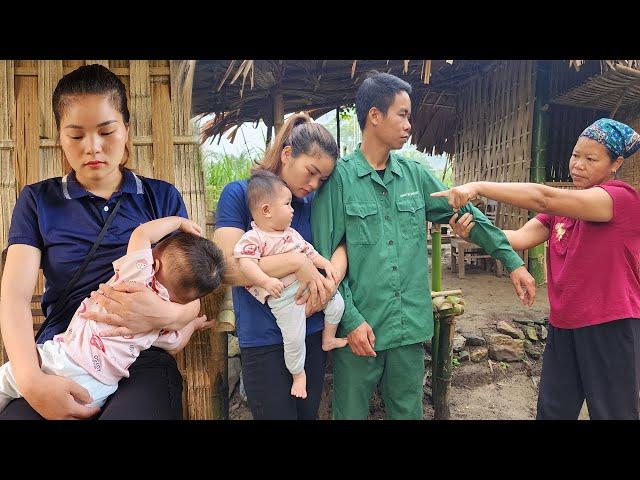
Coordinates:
(274, 287)
(190, 227)
(332, 273)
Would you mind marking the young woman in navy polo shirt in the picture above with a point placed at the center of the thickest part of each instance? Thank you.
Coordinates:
(304, 154)
(54, 226)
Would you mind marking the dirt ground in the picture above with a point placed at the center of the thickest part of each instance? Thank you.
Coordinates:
(479, 391)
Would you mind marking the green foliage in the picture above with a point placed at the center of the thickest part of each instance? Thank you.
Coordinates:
(455, 362)
(222, 168)
(347, 113)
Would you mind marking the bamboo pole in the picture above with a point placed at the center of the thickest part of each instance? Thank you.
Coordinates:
(540, 136)
(441, 379)
(162, 134)
(436, 285)
(49, 73)
(8, 187)
(195, 361)
(338, 127)
(446, 293)
(140, 100)
(220, 375)
(278, 111)
(28, 128)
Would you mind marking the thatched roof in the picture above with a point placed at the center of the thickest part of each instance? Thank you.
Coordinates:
(239, 91)
(242, 91)
(616, 87)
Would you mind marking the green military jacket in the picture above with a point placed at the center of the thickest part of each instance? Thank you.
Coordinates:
(383, 222)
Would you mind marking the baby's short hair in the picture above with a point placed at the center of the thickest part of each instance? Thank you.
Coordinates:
(195, 265)
(262, 185)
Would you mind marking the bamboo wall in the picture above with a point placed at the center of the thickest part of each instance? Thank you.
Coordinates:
(162, 145)
(565, 125)
(493, 141)
(564, 77)
(631, 167)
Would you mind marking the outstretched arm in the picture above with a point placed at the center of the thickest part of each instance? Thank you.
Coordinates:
(529, 235)
(592, 204)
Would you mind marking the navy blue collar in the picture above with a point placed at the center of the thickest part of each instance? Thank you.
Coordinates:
(72, 189)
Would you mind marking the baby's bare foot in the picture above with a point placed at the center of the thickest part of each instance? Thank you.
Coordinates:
(332, 343)
(299, 387)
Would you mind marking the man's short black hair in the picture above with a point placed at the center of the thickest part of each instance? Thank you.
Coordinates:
(378, 90)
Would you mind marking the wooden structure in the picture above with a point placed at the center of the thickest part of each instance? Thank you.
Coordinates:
(162, 145)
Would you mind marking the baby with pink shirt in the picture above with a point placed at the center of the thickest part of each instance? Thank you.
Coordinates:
(180, 268)
(271, 234)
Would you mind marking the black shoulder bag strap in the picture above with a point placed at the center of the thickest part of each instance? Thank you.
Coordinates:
(147, 197)
(65, 294)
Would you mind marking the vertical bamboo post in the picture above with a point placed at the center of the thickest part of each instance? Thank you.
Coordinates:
(436, 286)
(441, 380)
(278, 111)
(8, 187)
(141, 126)
(540, 134)
(268, 139)
(196, 358)
(162, 135)
(338, 127)
(220, 375)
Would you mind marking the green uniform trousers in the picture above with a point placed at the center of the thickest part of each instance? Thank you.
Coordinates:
(399, 371)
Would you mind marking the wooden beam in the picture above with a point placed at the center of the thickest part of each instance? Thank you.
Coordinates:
(278, 111)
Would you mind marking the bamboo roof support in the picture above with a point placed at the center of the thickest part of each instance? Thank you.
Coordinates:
(278, 111)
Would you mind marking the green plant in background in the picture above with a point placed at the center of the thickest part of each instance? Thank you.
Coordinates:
(221, 168)
(455, 362)
(504, 366)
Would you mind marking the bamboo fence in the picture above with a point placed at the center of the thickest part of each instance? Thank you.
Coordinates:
(566, 124)
(163, 145)
(493, 140)
(631, 168)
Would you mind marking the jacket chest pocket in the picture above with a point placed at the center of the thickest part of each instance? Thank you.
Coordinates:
(411, 217)
(363, 224)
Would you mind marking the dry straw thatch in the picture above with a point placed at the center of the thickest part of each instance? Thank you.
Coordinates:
(239, 91)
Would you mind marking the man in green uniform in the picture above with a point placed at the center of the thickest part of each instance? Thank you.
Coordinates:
(378, 203)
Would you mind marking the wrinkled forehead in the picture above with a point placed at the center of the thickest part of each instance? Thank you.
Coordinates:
(589, 146)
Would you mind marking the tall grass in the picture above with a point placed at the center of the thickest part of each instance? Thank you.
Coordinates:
(221, 168)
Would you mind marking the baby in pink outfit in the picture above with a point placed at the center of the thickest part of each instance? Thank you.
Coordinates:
(181, 269)
(271, 234)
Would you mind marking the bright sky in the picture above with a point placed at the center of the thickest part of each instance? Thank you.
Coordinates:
(250, 138)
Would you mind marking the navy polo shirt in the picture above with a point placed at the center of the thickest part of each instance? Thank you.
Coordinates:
(255, 324)
(63, 220)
